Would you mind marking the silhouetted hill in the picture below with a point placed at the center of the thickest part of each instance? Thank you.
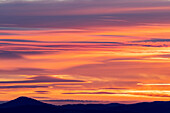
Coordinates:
(22, 101)
(148, 107)
(28, 105)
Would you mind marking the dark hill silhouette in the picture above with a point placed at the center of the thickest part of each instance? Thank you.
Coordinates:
(148, 107)
(22, 101)
(29, 105)
(26, 105)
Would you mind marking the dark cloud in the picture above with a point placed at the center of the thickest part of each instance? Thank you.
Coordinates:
(14, 50)
(17, 51)
(137, 93)
(99, 44)
(9, 55)
(8, 34)
(70, 46)
(65, 31)
(41, 97)
(74, 7)
(68, 100)
(23, 86)
(85, 21)
(154, 40)
(27, 71)
(102, 44)
(29, 52)
(93, 93)
(116, 88)
(42, 92)
(18, 40)
(42, 79)
(19, 28)
(124, 36)
(130, 59)
(165, 55)
(82, 14)
(151, 94)
(95, 42)
(14, 54)
(22, 40)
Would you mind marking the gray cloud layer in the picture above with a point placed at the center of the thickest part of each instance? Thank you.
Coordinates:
(82, 13)
(42, 79)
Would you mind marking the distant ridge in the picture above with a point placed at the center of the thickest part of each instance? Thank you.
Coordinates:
(22, 101)
(29, 105)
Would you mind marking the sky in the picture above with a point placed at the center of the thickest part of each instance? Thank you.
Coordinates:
(98, 50)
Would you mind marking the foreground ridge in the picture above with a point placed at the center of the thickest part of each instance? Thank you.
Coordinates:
(29, 105)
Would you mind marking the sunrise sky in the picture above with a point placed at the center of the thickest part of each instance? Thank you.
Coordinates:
(109, 50)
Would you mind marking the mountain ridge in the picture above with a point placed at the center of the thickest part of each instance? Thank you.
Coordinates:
(22, 101)
(29, 105)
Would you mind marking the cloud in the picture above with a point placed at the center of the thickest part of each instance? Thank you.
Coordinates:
(22, 40)
(82, 14)
(164, 56)
(14, 54)
(151, 94)
(23, 86)
(95, 42)
(18, 40)
(42, 79)
(15, 50)
(38, 97)
(93, 93)
(116, 88)
(154, 40)
(154, 84)
(41, 92)
(9, 55)
(100, 44)
(124, 36)
(126, 93)
(27, 71)
(67, 7)
(80, 22)
(125, 59)
(8, 34)
(19, 28)
(68, 100)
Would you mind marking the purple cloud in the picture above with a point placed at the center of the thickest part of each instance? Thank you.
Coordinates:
(42, 79)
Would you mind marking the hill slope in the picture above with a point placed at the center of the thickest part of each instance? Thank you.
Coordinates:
(28, 105)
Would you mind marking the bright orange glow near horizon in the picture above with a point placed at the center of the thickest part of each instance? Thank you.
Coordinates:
(85, 50)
